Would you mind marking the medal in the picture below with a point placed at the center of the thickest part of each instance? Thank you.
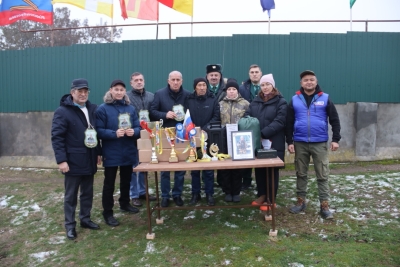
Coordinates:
(124, 121)
(90, 137)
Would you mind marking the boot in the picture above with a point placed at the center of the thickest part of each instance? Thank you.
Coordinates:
(210, 200)
(195, 198)
(258, 201)
(325, 212)
(299, 207)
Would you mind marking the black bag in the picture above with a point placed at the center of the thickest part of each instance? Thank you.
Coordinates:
(216, 135)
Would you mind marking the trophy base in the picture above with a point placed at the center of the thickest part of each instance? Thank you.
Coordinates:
(191, 159)
(173, 159)
(214, 159)
(154, 161)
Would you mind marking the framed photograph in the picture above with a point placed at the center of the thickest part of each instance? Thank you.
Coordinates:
(242, 145)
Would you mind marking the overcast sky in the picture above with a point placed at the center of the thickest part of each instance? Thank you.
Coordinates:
(236, 10)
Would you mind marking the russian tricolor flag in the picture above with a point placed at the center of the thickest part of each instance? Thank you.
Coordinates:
(188, 124)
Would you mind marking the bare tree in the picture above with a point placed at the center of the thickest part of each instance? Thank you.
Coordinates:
(13, 37)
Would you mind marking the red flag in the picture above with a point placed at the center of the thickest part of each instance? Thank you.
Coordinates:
(123, 9)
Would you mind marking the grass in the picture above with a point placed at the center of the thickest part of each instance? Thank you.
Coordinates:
(365, 231)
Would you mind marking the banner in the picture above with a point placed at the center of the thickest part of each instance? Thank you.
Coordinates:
(183, 6)
(35, 10)
(99, 6)
(142, 9)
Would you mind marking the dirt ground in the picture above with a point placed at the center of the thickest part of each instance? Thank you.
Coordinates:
(25, 175)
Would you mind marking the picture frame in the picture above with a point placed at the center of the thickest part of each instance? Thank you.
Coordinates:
(242, 145)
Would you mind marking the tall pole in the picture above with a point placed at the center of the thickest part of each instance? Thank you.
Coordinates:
(351, 19)
(269, 24)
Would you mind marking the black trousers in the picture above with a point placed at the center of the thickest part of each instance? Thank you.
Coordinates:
(71, 185)
(110, 174)
(261, 174)
(231, 181)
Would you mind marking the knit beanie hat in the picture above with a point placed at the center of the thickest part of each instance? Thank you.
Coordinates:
(232, 83)
(268, 78)
(197, 80)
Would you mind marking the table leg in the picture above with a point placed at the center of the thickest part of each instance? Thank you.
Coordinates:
(149, 235)
(273, 231)
(159, 220)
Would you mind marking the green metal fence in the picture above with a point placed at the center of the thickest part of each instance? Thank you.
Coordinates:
(352, 67)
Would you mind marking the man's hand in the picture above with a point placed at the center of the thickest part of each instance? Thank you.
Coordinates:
(170, 115)
(129, 132)
(63, 167)
(120, 133)
(290, 148)
(98, 160)
(334, 146)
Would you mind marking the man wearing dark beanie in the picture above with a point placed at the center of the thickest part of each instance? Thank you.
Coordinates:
(204, 108)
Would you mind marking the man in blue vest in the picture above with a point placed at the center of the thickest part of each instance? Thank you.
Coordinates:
(308, 115)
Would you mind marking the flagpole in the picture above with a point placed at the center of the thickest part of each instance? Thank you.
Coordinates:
(269, 23)
(112, 23)
(351, 19)
(191, 24)
(158, 17)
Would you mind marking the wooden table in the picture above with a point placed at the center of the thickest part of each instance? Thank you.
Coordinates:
(213, 165)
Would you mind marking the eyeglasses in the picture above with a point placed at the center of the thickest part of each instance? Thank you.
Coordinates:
(82, 91)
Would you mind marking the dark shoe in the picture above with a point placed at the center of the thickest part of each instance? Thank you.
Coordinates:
(236, 198)
(228, 198)
(136, 202)
(195, 198)
(299, 207)
(325, 212)
(71, 234)
(90, 225)
(151, 198)
(165, 202)
(111, 221)
(210, 200)
(129, 209)
(178, 201)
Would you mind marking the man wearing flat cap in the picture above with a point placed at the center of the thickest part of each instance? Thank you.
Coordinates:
(308, 115)
(77, 152)
(215, 81)
(118, 126)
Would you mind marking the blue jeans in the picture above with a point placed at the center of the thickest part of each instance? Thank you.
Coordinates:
(208, 179)
(166, 184)
(137, 185)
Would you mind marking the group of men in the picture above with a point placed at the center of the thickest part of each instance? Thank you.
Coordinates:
(75, 121)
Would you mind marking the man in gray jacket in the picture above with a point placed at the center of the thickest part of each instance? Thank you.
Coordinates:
(140, 100)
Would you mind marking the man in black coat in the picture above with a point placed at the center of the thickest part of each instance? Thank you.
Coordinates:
(204, 108)
(77, 152)
(168, 105)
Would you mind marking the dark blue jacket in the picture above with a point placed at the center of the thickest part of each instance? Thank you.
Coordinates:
(203, 109)
(272, 117)
(164, 100)
(244, 90)
(68, 135)
(117, 151)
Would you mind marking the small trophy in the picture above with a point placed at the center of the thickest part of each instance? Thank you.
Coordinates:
(148, 127)
(192, 152)
(214, 151)
(170, 133)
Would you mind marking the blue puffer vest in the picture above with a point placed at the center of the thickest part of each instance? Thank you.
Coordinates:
(311, 123)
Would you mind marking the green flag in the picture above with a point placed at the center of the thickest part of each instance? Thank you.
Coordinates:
(352, 3)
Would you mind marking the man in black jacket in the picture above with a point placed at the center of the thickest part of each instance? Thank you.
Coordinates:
(249, 90)
(168, 105)
(77, 153)
(204, 108)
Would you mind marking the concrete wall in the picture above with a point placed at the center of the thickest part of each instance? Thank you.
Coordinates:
(369, 131)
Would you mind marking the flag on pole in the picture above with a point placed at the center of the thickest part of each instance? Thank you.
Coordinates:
(267, 5)
(187, 125)
(183, 6)
(141, 9)
(352, 3)
(35, 10)
(99, 6)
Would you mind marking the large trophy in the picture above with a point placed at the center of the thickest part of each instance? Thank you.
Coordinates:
(170, 134)
(192, 141)
(152, 127)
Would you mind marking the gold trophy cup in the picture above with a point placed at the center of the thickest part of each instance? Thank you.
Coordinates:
(170, 133)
